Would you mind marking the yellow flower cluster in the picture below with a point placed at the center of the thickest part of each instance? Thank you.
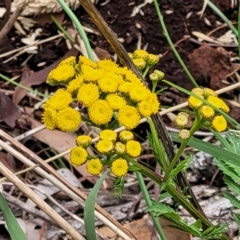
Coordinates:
(207, 113)
(114, 146)
(107, 91)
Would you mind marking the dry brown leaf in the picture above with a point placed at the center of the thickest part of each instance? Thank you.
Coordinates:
(8, 111)
(8, 161)
(46, 18)
(38, 78)
(142, 231)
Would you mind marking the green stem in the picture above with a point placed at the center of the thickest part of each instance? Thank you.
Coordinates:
(149, 204)
(67, 35)
(146, 70)
(223, 17)
(178, 196)
(163, 163)
(165, 32)
(79, 28)
(184, 143)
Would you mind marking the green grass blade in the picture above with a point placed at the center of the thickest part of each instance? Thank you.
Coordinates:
(14, 229)
(88, 215)
(209, 148)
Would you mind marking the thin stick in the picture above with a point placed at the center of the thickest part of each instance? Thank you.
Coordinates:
(40, 203)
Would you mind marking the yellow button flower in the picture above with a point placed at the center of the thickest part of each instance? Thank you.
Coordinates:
(91, 74)
(219, 123)
(68, 120)
(206, 112)
(184, 134)
(120, 148)
(61, 74)
(59, 100)
(70, 61)
(145, 108)
(119, 167)
(108, 135)
(152, 59)
(104, 146)
(49, 118)
(86, 61)
(181, 120)
(153, 101)
(225, 107)
(209, 92)
(88, 93)
(194, 103)
(139, 93)
(133, 148)
(83, 141)
(78, 156)
(215, 101)
(125, 136)
(115, 102)
(100, 112)
(198, 91)
(140, 63)
(125, 87)
(129, 117)
(107, 65)
(75, 84)
(107, 85)
(139, 53)
(94, 166)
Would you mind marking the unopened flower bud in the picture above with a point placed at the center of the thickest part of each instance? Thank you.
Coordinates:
(152, 59)
(130, 55)
(160, 74)
(140, 54)
(209, 92)
(198, 91)
(195, 103)
(184, 134)
(153, 77)
(182, 119)
(140, 63)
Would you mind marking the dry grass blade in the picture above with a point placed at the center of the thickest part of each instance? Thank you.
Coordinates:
(60, 183)
(45, 207)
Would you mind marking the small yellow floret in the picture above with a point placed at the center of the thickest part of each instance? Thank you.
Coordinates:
(133, 148)
(68, 120)
(100, 112)
(206, 112)
(88, 93)
(120, 148)
(225, 107)
(140, 63)
(139, 93)
(215, 101)
(108, 134)
(119, 167)
(61, 74)
(70, 61)
(198, 91)
(145, 108)
(115, 102)
(153, 101)
(125, 87)
(184, 134)
(83, 141)
(139, 53)
(49, 118)
(195, 103)
(104, 146)
(59, 100)
(75, 84)
(181, 120)
(91, 75)
(219, 123)
(107, 85)
(107, 65)
(86, 61)
(209, 92)
(126, 136)
(129, 117)
(94, 166)
(78, 156)
(152, 59)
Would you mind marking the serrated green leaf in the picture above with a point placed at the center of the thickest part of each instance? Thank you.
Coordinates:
(159, 209)
(196, 225)
(236, 217)
(233, 185)
(183, 165)
(234, 201)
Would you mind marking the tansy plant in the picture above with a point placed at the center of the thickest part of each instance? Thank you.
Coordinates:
(109, 96)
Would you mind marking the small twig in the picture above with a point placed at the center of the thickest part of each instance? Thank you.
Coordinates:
(7, 27)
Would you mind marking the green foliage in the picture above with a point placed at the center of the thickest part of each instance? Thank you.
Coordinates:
(182, 166)
(118, 185)
(89, 208)
(166, 212)
(14, 229)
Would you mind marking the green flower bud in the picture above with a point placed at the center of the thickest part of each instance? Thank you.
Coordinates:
(140, 63)
(140, 54)
(184, 134)
(152, 59)
(153, 77)
(160, 74)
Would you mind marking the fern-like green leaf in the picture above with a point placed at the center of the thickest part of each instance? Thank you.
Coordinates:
(232, 184)
(234, 201)
(236, 217)
(183, 165)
